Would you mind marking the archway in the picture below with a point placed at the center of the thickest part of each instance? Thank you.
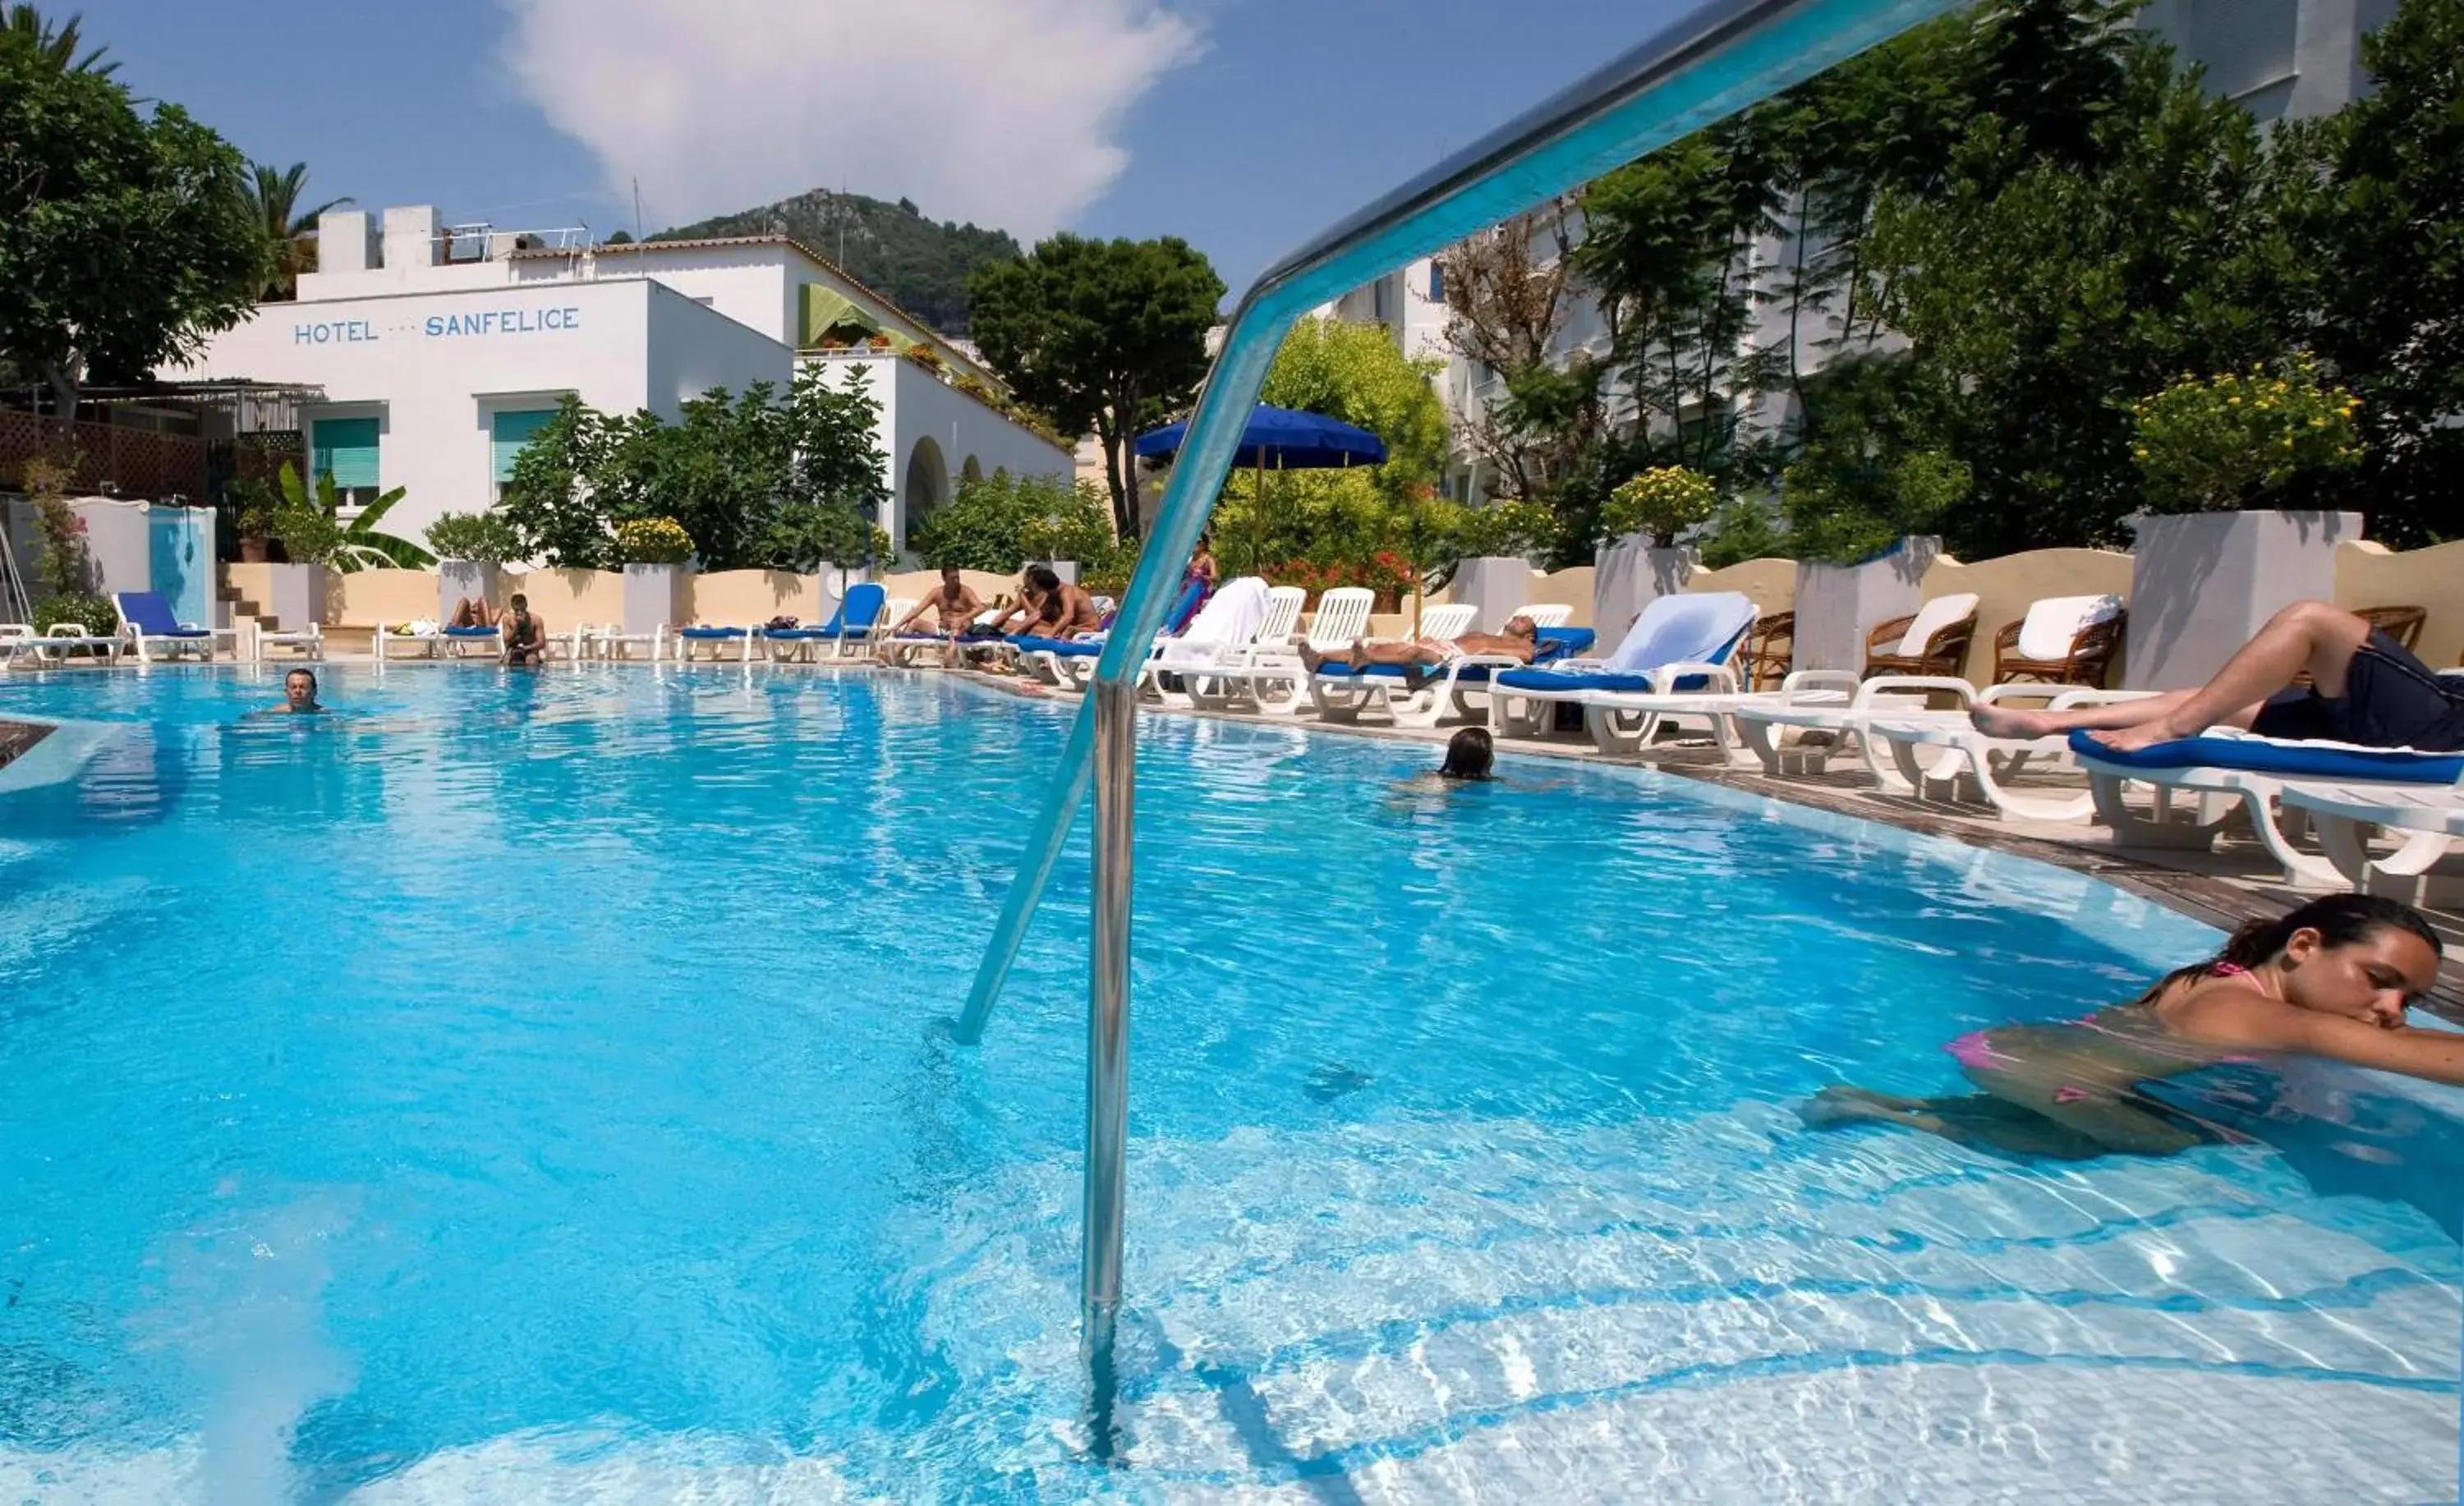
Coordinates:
(927, 487)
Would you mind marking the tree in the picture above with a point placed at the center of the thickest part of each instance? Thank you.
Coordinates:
(1107, 337)
(57, 45)
(1508, 305)
(127, 240)
(999, 522)
(2389, 222)
(548, 498)
(291, 231)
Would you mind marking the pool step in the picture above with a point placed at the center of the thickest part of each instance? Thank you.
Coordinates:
(1506, 1306)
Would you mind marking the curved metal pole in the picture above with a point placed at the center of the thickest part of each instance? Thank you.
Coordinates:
(1718, 61)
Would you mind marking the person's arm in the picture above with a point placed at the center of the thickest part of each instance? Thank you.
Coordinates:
(2438, 1055)
(932, 600)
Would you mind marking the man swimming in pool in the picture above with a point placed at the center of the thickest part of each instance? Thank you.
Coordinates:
(1520, 640)
(298, 695)
(2329, 979)
(2364, 687)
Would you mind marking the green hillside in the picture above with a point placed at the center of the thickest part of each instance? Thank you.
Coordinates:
(891, 248)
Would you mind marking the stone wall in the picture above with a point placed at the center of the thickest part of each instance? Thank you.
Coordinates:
(2006, 587)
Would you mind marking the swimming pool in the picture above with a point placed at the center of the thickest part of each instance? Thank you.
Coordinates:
(530, 1087)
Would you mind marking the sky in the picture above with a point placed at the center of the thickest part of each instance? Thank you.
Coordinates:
(1243, 126)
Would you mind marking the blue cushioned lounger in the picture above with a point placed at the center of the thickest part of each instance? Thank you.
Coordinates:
(2283, 759)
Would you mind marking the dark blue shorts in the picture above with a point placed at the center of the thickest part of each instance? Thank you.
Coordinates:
(2390, 700)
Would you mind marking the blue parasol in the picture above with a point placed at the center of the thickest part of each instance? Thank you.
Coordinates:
(1286, 438)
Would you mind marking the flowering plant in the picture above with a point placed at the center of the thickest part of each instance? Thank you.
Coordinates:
(2220, 443)
(1662, 502)
(653, 541)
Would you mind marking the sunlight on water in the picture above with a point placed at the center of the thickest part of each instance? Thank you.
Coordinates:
(537, 1088)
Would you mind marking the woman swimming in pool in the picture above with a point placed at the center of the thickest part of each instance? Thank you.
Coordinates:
(2330, 979)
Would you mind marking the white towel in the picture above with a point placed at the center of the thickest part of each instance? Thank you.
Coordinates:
(1231, 619)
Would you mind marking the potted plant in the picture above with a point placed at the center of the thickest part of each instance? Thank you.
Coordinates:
(655, 551)
(254, 523)
(2220, 552)
(472, 551)
(878, 342)
(1640, 560)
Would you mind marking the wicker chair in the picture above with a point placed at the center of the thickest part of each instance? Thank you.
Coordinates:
(2403, 624)
(2091, 655)
(1771, 649)
(1943, 654)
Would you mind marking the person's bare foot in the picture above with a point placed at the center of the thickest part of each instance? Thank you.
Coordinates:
(1310, 658)
(2130, 739)
(2010, 721)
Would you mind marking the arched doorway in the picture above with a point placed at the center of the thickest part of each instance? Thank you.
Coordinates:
(926, 487)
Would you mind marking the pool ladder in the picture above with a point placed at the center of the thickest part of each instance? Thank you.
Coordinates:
(1714, 62)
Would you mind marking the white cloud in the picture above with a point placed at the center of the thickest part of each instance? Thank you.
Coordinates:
(1005, 112)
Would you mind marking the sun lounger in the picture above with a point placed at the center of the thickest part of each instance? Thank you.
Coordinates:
(16, 638)
(860, 613)
(2426, 820)
(458, 642)
(63, 639)
(1946, 756)
(1685, 642)
(1342, 693)
(310, 640)
(147, 624)
(1269, 673)
(1068, 663)
(2224, 771)
(718, 638)
(1222, 638)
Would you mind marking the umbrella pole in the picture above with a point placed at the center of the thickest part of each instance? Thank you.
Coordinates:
(1258, 520)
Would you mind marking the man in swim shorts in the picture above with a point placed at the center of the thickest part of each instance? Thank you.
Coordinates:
(1518, 642)
(2364, 687)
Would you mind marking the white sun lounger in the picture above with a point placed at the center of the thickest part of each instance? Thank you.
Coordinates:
(1269, 675)
(1342, 695)
(1224, 637)
(63, 639)
(1684, 643)
(2426, 820)
(1775, 733)
(2198, 782)
(1939, 756)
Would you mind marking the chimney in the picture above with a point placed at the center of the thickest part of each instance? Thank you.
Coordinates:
(345, 241)
(410, 237)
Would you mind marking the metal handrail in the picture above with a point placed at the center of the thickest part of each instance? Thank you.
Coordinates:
(1719, 60)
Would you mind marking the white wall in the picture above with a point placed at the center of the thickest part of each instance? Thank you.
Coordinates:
(917, 406)
(749, 284)
(618, 345)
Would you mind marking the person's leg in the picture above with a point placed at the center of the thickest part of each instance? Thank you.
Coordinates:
(1978, 1121)
(2307, 635)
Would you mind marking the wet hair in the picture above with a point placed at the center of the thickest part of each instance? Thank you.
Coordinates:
(312, 679)
(1042, 579)
(1469, 755)
(2340, 919)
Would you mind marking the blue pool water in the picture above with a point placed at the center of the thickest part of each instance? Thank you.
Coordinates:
(533, 1088)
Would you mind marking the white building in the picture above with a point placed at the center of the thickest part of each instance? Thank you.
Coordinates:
(438, 350)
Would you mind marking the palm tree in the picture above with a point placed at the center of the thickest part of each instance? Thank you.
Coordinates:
(290, 230)
(57, 44)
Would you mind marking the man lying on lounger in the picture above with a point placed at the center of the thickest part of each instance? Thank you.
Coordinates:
(2364, 687)
(1518, 642)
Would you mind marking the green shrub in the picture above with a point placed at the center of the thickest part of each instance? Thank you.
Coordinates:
(1662, 502)
(483, 536)
(1742, 531)
(2229, 441)
(94, 613)
(1505, 528)
(652, 541)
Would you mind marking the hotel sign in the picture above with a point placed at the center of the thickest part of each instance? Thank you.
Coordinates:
(438, 326)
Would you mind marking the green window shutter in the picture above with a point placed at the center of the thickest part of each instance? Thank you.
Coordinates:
(345, 449)
(509, 431)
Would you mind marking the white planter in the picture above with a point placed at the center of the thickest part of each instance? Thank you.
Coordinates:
(460, 581)
(1497, 586)
(653, 594)
(1629, 576)
(295, 595)
(2202, 583)
(1836, 606)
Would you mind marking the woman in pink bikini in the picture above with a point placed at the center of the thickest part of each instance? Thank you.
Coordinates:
(2330, 979)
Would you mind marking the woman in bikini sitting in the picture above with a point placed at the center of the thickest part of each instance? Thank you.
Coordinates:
(2330, 979)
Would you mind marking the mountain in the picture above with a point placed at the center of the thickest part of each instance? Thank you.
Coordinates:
(890, 247)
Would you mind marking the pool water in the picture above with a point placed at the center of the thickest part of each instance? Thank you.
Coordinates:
(535, 1087)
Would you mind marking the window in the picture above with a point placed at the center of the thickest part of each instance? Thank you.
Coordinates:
(1437, 282)
(508, 432)
(345, 448)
